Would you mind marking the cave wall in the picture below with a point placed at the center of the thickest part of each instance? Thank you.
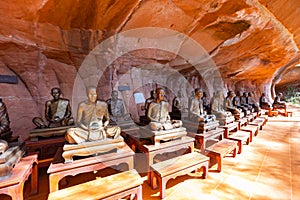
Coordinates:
(44, 43)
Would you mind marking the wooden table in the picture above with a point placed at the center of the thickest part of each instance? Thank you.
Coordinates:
(139, 144)
(45, 147)
(59, 170)
(13, 185)
(202, 139)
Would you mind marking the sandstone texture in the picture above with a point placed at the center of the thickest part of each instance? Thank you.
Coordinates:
(135, 46)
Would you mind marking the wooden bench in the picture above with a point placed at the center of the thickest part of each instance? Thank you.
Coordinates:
(260, 122)
(252, 129)
(111, 187)
(220, 150)
(181, 165)
(240, 137)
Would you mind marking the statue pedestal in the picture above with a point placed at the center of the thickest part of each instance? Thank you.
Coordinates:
(48, 132)
(201, 127)
(226, 120)
(91, 148)
(165, 135)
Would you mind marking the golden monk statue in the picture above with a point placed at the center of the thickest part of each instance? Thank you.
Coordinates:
(158, 114)
(92, 121)
(57, 112)
(196, 111)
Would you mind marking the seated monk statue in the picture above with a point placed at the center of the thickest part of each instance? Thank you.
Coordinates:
(218, 106)
(237, 103)
(158, 114)
(196, 111)
(5, 131)
(243, 100)
(252, 102)
(277, 103)
(149, 101)
(229, 104)
(263, 102)
(177, 104)
(92, 121)
(116, 108)
(206, 103)
(57, 112)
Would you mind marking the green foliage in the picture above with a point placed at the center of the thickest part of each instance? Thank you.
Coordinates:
(293, 95)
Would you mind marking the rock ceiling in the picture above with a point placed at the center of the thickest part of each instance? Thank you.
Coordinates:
(254, 43)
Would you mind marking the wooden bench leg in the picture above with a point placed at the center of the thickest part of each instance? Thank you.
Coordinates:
(205, 170)
(139, 193)
(234, 152)
(163, 185)
(240, 145)
(219, 160)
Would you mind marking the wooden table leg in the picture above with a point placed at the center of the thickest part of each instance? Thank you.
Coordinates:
(34, 179)
(53, 182)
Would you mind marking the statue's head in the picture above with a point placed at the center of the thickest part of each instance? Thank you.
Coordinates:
(245, 94)
(114, 95)
(55, 92)
(231, 94)
(160, 92)
(219, 94)
(91, 93)
(153, 94)
(238, 93)
(198, 93)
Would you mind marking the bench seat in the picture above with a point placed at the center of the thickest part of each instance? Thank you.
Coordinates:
(111, 187)
(221, 149)
(240, 137)
(181, 165)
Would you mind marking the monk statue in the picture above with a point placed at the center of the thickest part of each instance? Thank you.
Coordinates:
(237, 103)
(92, 121)
(177, 106)
(252, 102)
(229, 104)
(196, 111)
(5, 131)
(206, 103)
(177, 103)
(263, 102)
(278, 103)
(218, 106)
(116, 108)
(158, 114)
(243, 100)
(57, 112)
(149, 101)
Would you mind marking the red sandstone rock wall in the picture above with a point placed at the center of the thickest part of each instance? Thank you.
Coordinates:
(44, 42)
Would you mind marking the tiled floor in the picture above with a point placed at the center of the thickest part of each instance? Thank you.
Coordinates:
(268, 168)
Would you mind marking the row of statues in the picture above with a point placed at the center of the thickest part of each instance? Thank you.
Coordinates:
(95, 115)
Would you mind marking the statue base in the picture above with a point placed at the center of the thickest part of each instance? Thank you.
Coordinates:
(200, 127)
(226, 120)
(91, 148)
(157, 137)
(49, 132)
(8, 160)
